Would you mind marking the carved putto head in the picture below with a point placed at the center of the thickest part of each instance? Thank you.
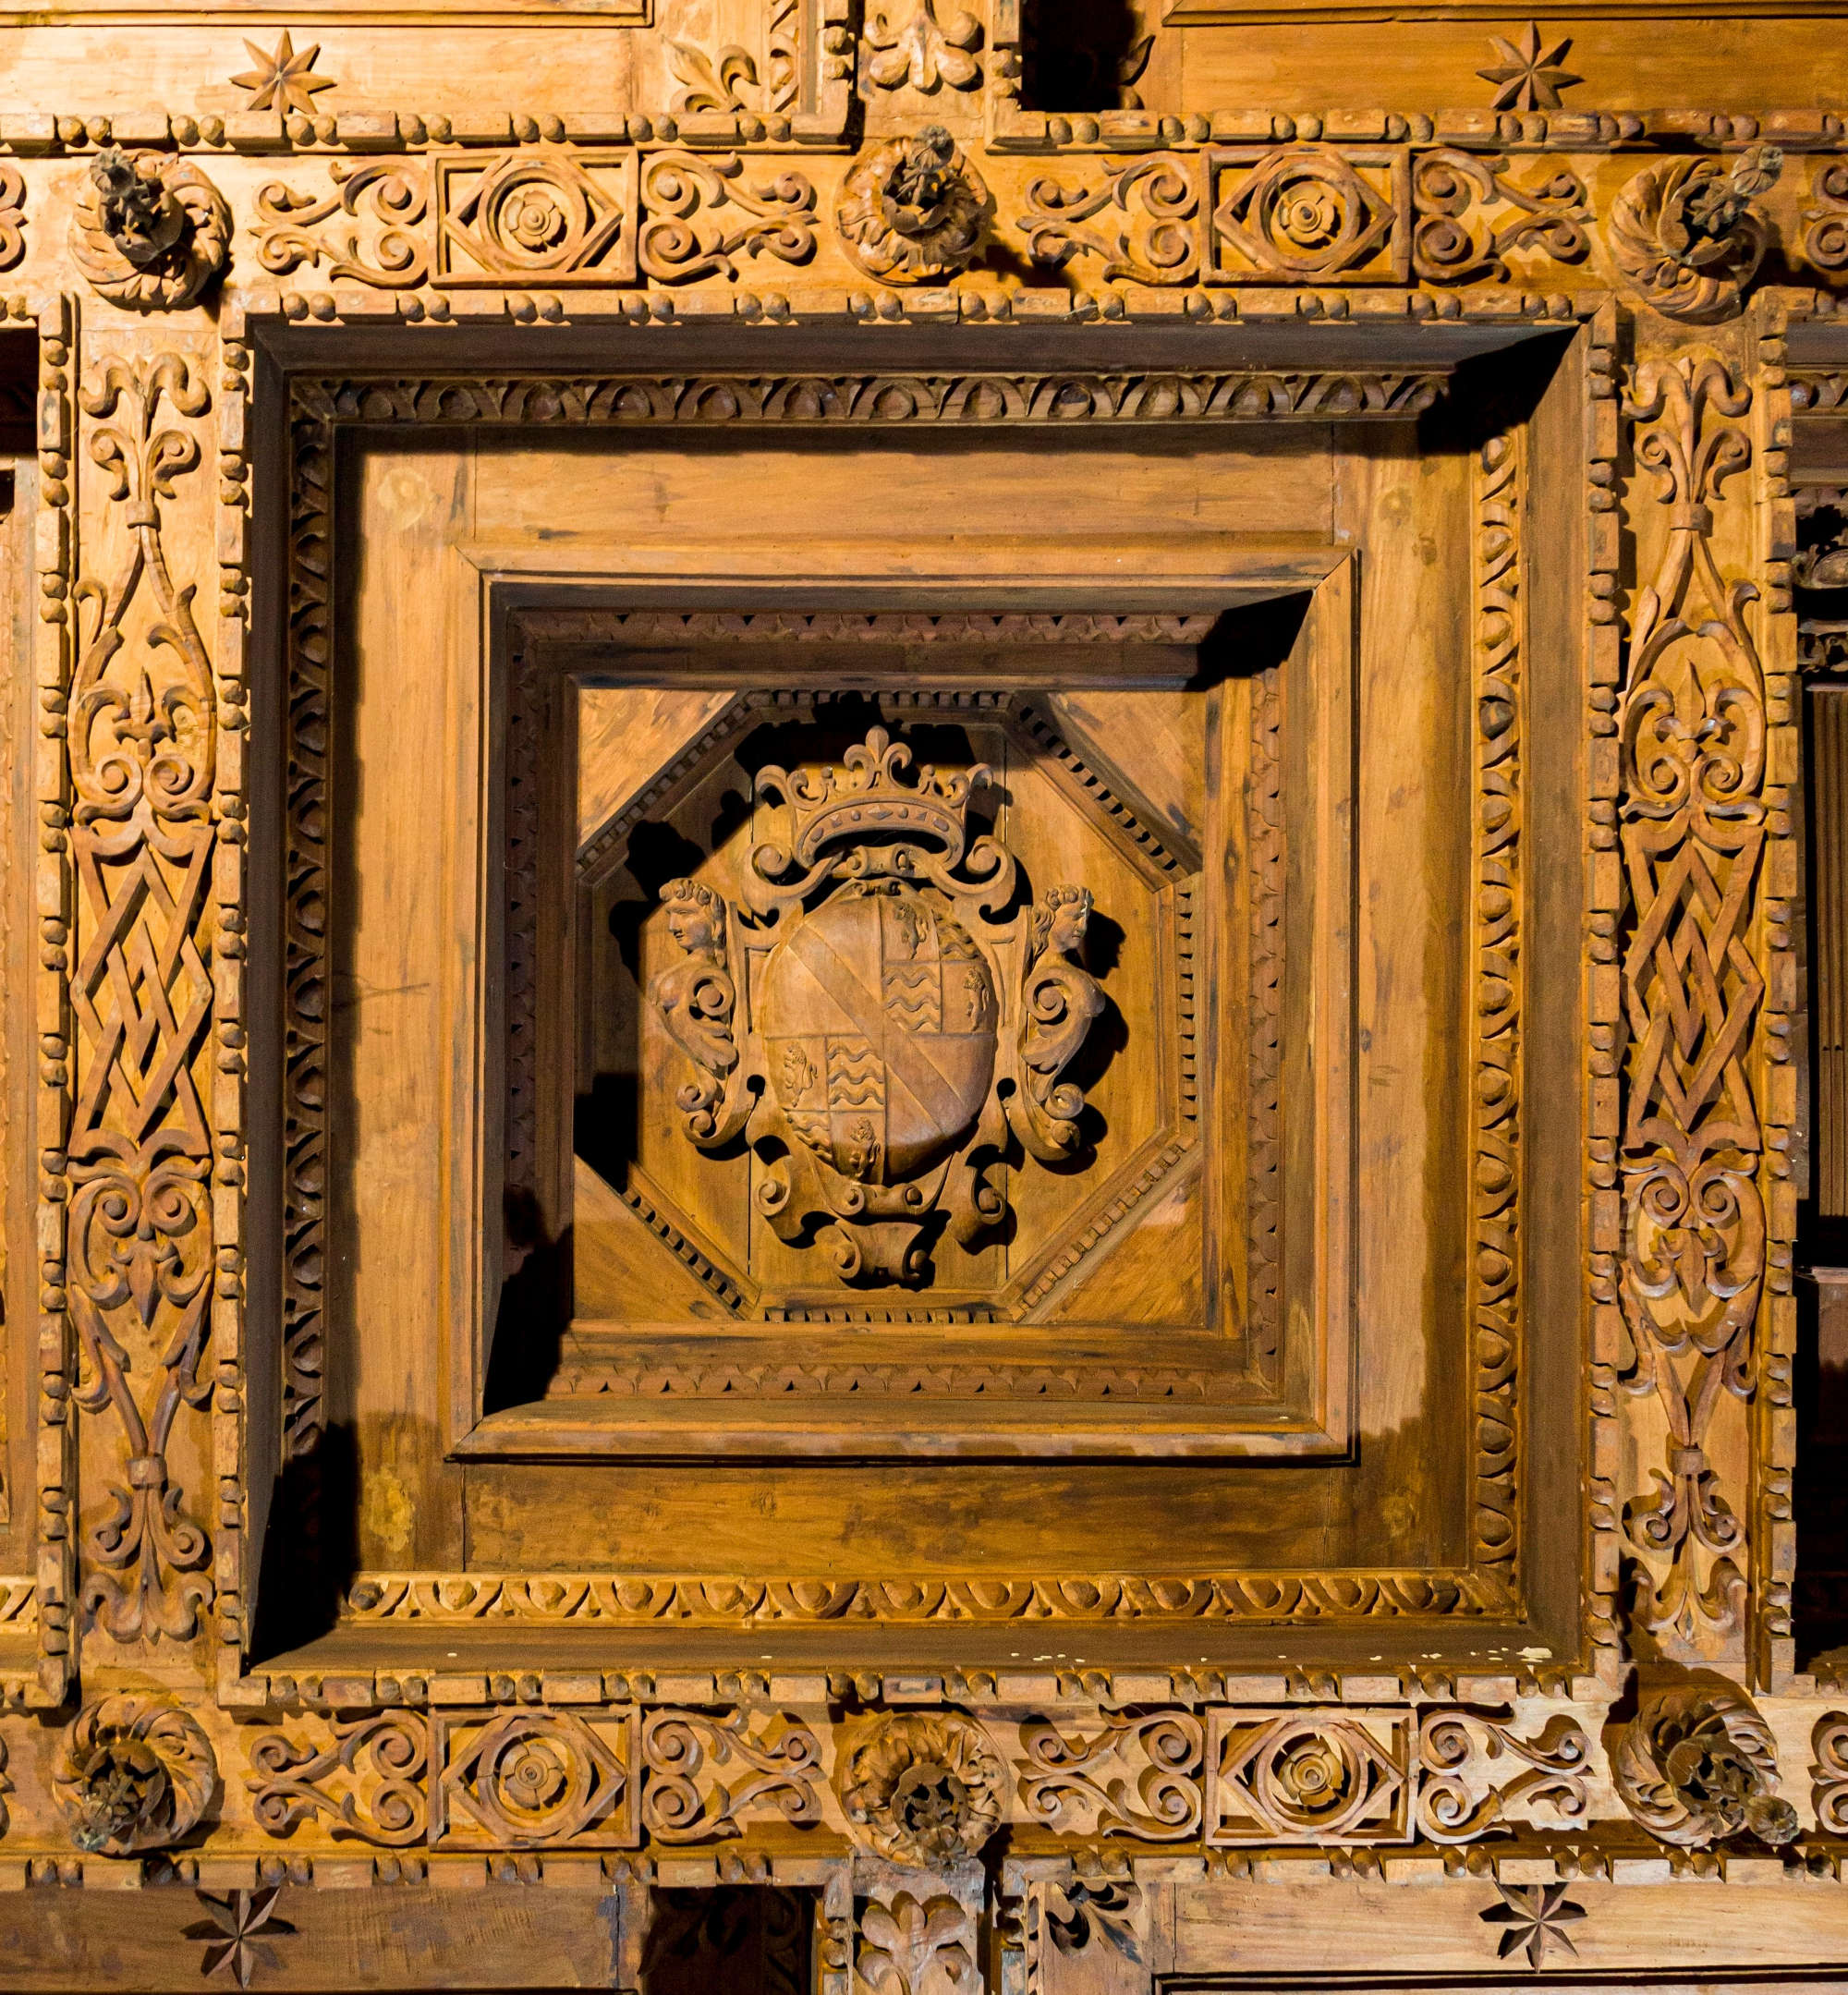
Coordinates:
(695, 916)
(1059, 920)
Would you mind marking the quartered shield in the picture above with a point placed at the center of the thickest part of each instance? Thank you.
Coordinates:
(877, 1018)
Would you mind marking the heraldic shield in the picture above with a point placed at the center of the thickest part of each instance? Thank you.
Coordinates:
(879, 1018)
(879, 1013)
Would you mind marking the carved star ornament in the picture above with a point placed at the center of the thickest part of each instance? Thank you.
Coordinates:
(1530, 77)
(283, 81)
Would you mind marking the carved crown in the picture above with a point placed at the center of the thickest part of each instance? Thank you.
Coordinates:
(869, 793)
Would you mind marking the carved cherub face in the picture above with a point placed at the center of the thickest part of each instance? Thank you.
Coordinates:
(693, 918)
(1068, 914)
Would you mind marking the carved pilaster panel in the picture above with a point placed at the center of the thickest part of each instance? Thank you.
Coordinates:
(145, 760)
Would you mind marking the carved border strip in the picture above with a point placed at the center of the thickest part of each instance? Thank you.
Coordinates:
(1499, 714)
(57, 1354)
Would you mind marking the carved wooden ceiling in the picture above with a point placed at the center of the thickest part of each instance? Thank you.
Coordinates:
(922, 1045)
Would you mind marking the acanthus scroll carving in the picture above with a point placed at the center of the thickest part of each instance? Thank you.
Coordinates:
(150, 230)
(1696, 1765)
(875, 1020)
(1686, 236)
(133, 1775)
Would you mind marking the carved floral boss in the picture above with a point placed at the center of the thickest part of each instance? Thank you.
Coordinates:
(875, 1019)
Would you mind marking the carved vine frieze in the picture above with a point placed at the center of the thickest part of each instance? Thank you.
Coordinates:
(1691, 822)
(142, 748)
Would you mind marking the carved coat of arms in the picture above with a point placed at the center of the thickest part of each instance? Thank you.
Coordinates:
(878, 1014)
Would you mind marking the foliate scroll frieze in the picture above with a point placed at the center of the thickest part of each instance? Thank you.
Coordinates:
(1138, 1774)
(1470, 212)
(1443, 1775)
(1143, 216)
(381, 238)
(143, 747)
(710, 1775)
(1691, 821)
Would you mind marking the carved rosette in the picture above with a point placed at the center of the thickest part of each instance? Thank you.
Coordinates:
(150, 230)
(1696, 1765)
(925, 1790)
(133, 1775)
(914, 210)
(1685, 235)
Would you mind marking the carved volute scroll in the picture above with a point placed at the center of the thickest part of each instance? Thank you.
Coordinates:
(899, 1014)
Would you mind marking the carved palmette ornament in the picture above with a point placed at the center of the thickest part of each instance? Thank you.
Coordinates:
(1697, 1764)
(912, 209)
(1686, 236)
(148, 230)
(899, 1016)
(925, 1790)
(133, 1775)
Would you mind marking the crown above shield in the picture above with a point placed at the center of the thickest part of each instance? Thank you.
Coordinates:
(870, 796)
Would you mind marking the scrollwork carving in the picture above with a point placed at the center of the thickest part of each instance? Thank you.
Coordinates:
(1061, 1001)
(703, 1772)
(1469, 212)
(681, 192)
(392, 197)
(1460, 1797)
(149, 229)
(382, 1762)
(133, 1775)
(925, 1790)
(142, 750)
(1152, 232)
(12, 215)
(1141, 1776)
(1697, 1764)
(1828, 1773)
(1686, 236)
(1693, 822)
(914, 210)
